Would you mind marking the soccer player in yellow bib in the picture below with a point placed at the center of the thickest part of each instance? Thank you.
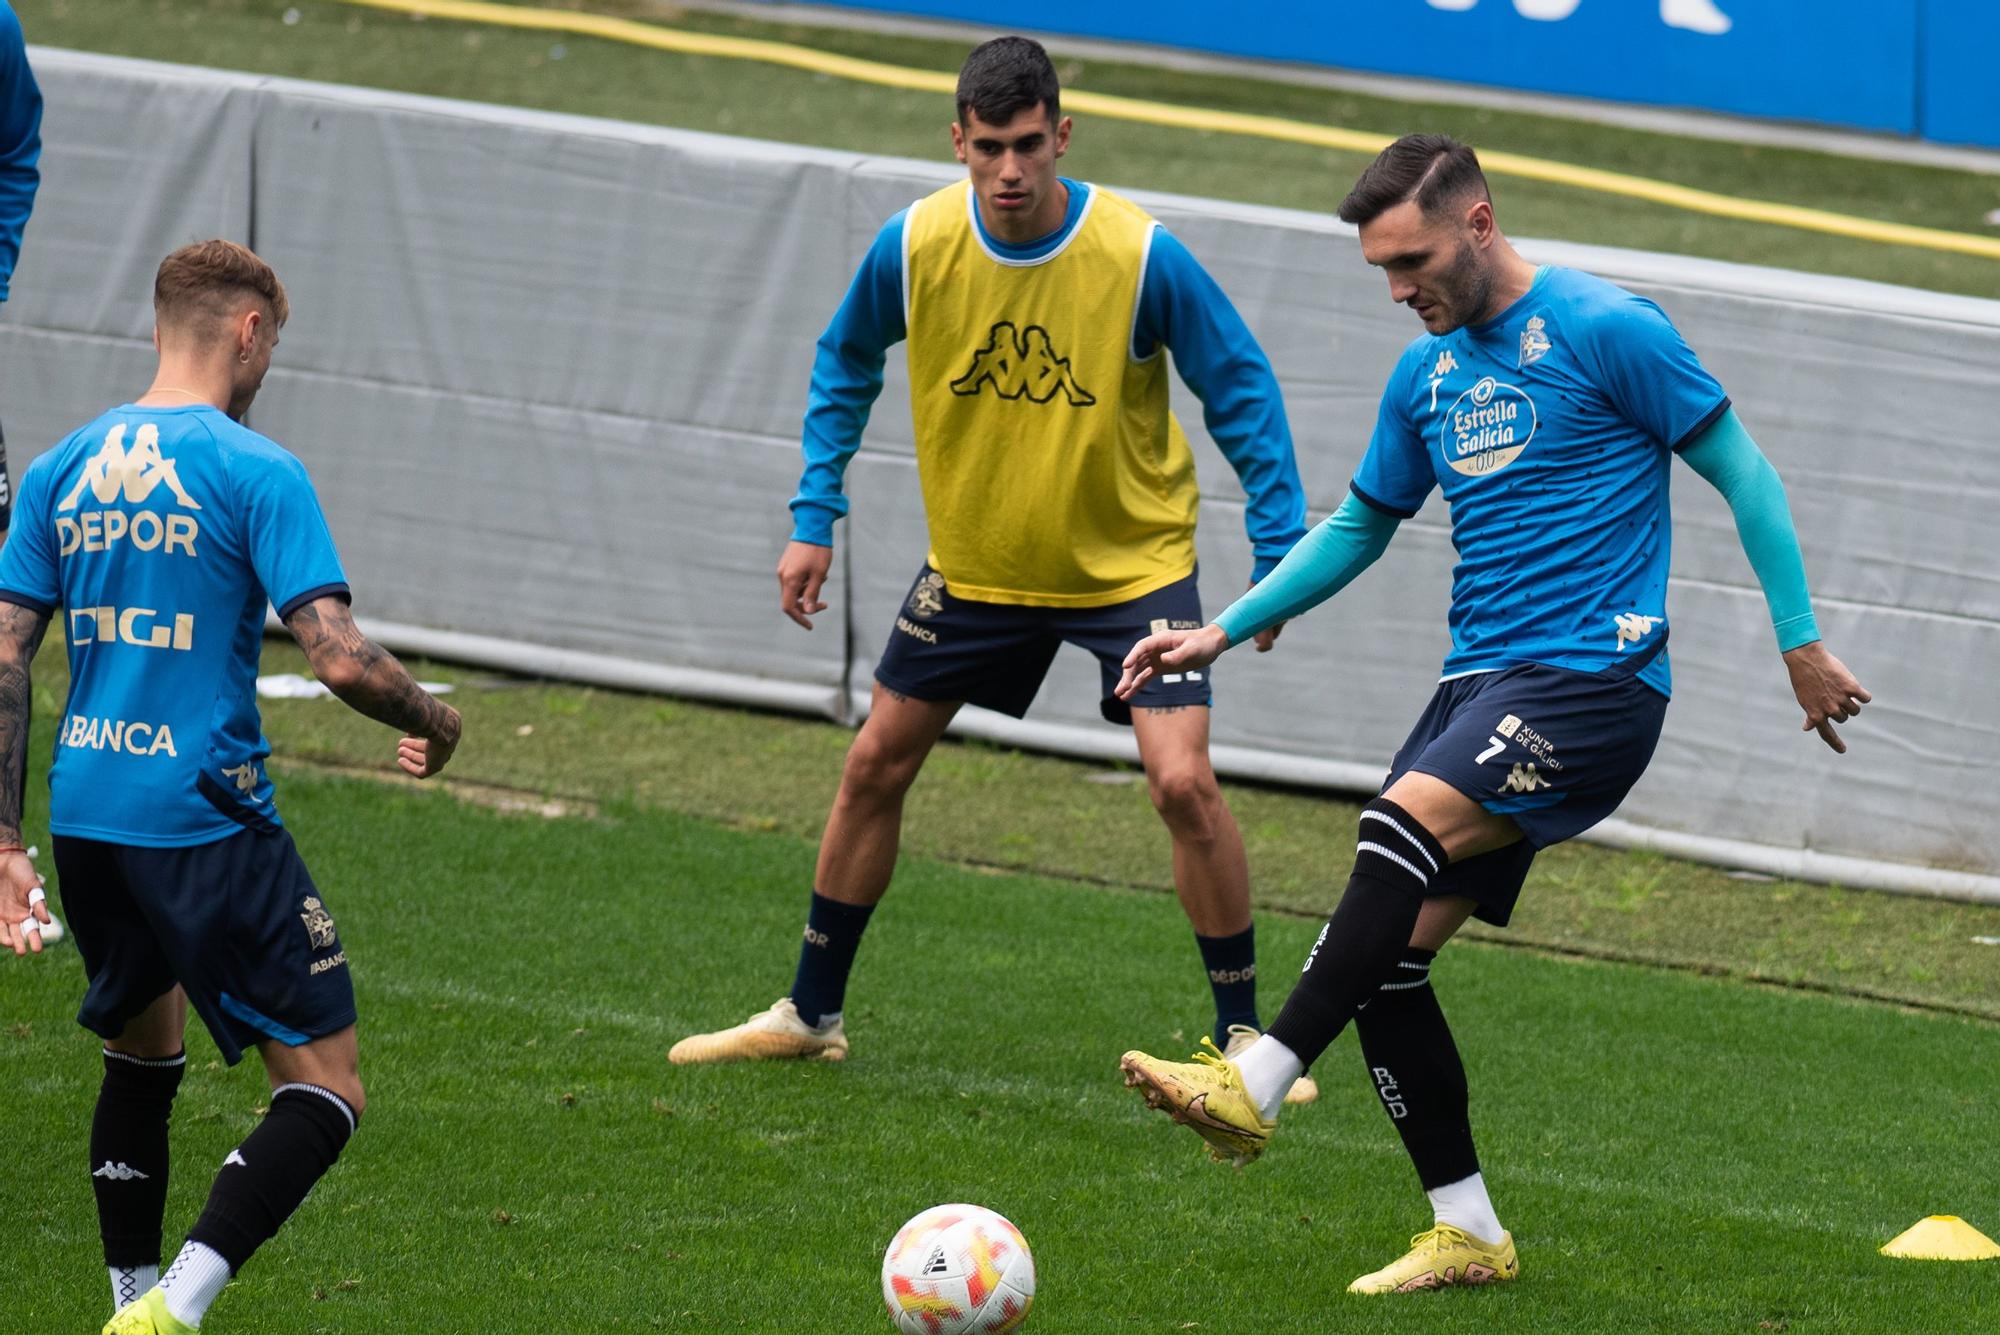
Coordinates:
(1061, 498)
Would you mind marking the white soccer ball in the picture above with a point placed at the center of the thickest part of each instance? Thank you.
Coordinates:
(957, 1269)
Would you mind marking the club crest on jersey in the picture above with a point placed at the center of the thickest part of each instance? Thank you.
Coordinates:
(1534, 341)
(927, 598)
(1486, 428)
(319, 923)
(1022, 364)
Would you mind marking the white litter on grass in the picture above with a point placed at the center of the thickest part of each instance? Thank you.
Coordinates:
(1994, 218)
(298, 686)
(1986, 940)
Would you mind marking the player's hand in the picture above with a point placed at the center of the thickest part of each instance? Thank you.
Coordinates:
(802, 570)
(1266, 638)
(1826, 690)
(1170, 651)
(21, 904)
(422, 757)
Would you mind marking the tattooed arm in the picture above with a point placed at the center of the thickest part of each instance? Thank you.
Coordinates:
(21, 630)
(369, 680)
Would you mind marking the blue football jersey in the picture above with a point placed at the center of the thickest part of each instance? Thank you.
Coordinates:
(161, 533)
(1550, 430)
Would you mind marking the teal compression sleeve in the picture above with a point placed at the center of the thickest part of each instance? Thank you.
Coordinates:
(1321, 565)
(1725, 455)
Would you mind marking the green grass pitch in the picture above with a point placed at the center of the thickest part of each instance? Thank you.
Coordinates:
(1673, 1153)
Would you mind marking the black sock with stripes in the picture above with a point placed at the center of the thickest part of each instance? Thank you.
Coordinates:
(1394, 860)
(128, 1155)
(1415, 1068)
(266, 1177)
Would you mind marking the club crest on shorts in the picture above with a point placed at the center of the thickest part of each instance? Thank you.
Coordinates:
(319, 923)
(1534, 341)
(927, 599)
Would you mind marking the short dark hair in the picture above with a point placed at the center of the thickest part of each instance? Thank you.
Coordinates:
(1004, 77)
(1433, 169)
(201, 284)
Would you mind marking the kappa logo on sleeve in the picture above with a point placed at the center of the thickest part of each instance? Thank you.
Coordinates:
(1022, 365)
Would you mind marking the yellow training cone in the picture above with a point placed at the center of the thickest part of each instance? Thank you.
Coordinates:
(1942, 1237)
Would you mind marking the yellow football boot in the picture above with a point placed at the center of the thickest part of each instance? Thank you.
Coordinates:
(148, 1315)
(1206, 1094)
(1304, 1089)
(1442, 1257)
(770, 1035)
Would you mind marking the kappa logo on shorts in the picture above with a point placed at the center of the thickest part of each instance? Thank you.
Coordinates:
(927, 599)
(1524, 779)
(319, 923)
(1022, 365)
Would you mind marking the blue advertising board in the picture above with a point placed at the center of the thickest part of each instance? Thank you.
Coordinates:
(1959, 87)
(1858, 63)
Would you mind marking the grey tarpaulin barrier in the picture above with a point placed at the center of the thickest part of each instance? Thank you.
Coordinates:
(548, 372)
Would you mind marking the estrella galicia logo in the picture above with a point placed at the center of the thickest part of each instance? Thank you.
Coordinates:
(1022, 364)
(1486, 428)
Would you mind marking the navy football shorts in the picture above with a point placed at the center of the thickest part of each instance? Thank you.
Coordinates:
(236, 922)
(1553, 750)
(995, 654)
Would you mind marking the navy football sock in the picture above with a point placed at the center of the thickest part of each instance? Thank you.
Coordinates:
(266, 1177)
(1358, 948)
(128, 1155)
(833, 934)
(1415, 1068)
(1231, 962)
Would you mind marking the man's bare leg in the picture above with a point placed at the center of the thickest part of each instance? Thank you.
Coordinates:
(857, 853)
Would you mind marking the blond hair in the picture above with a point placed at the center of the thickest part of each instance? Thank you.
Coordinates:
(203, 284)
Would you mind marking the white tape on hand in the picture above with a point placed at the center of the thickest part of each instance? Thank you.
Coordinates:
(36, 896)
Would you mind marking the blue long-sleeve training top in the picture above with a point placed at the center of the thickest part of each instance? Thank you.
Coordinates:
(1180, 307)
(20, 142)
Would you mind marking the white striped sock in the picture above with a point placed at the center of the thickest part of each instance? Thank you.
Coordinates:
(193, 1281)
(129, 1281)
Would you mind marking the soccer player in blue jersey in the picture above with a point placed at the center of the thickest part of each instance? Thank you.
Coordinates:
(20, 177)
(1548, 406)
(20, 174)
(163, 530)
(1061, 500)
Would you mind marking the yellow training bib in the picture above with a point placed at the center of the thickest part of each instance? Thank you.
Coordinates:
(1053, 473)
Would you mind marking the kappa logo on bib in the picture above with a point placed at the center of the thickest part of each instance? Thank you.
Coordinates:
(1019, 364)
(1487, 427)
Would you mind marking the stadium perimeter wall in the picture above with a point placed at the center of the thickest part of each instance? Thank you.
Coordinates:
(548, 374)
